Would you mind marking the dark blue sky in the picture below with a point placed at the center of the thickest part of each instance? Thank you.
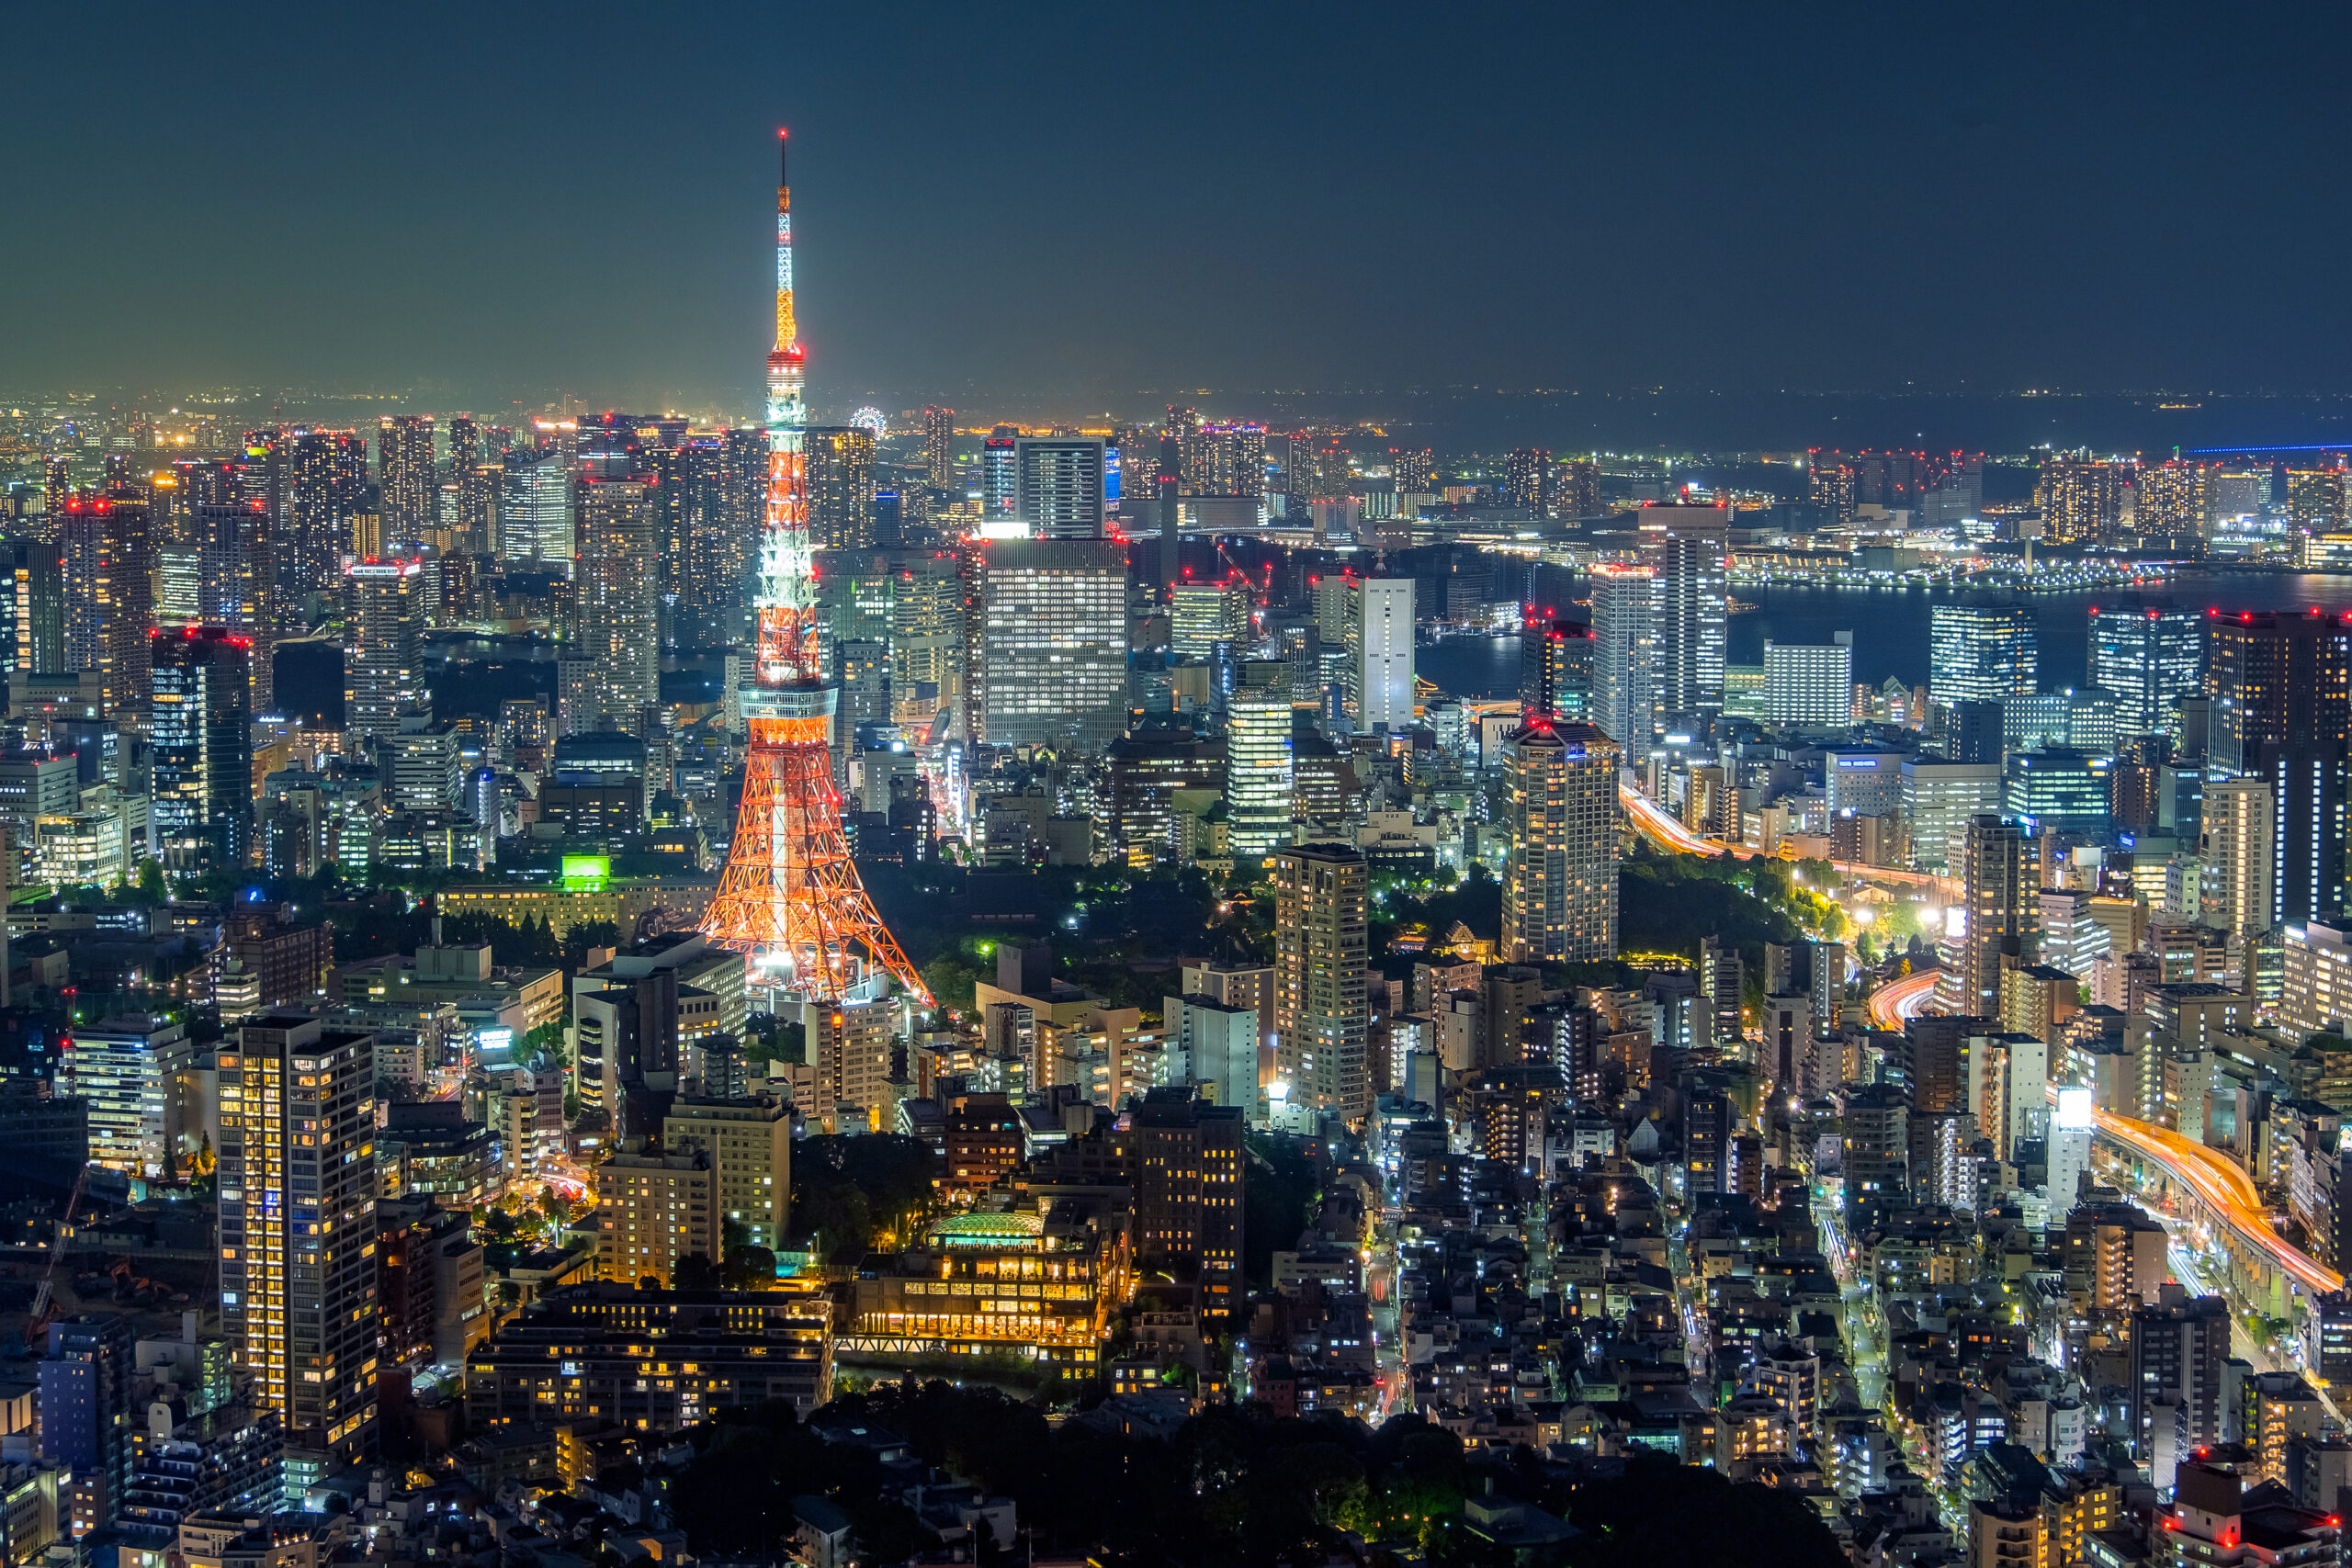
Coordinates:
(1068, 203)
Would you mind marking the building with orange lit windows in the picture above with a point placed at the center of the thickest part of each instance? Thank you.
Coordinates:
(298, 1232)
(1188, 1156)
(1038, 1283)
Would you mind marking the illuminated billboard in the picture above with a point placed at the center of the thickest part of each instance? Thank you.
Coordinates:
(587, 871)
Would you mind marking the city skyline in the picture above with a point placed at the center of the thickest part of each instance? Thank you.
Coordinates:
(1235, 206)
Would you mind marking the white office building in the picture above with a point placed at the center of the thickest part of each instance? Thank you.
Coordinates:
(1259, 776)
(1810, 682)
(1379, 652)
(1624, 669)
(1059, 486)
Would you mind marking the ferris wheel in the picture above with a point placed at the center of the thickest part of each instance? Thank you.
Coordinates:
(871, 419)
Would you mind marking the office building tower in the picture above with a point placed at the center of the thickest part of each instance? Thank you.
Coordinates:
(999, 485)
(1624, 674)
(297, 1269)
(132, 1072)
(123, 600)
(1322, 1013)
(2081, 501)
(617, 572)
(2237, 857)
(2057, 789)
(2317, 995)
(1556, 660)
(1052, 643)
(535, 509)
(1380, 653)
(1059, 486)
(200, 734)
(841, 487)
(939, 447)
(1203, 616)
(1168, 484)
(382, 658)
(326, 484)
(1981, 652)
(1938, 798)
(86, 1417)
(1810, 682)
(2311, 785)
(37, 608)
(404, 473)
(1999, 890)
(2149, 659)
(1687, 548)
(2274, 679)
(1217, 1042)
(1560, 882)
(1259, 782)
(1527, 474)
(1188, 1160)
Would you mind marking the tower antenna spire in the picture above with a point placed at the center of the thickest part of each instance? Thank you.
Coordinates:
(791, 899)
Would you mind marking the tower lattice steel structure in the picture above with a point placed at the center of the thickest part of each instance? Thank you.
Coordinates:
(791, 898)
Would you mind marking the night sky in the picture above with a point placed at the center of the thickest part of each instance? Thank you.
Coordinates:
(1071, 203)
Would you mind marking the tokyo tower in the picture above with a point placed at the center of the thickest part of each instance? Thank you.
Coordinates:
(790, 899)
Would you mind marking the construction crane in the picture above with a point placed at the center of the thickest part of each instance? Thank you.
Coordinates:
(44, 1298)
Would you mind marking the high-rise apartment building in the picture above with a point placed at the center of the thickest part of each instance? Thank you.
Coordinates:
(2237, 857)
(35, 589)
(1810, 682)
(749, 1144)
(1560, 882)
(1625, 665)
(841, 487)
(1051, 653)
(1059, 486)
(1322, 1012)
(2175, 503)
(1687, 548)
(1577, 488)
(382, 656)
(1258, 780)
(1999, 889)
(1981, 652)
(1227, 459)
(2081, 500)
(404, 473)
(2150, 658)
(470, 479)
(298, 1230)
(618, 577)
(653, 1210)
(326, 485)
(200, 798)
(125, 600)
(1379, 652)
(1527, 479)
(2177, 1398)
(939, 447)
(1188, 1159)
(130, 1071)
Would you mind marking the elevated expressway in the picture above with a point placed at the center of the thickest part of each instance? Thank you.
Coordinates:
(2203, 1185)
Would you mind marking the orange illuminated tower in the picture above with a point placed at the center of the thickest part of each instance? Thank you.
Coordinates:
(791, 899)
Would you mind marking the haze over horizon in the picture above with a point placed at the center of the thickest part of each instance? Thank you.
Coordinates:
(1062, 212)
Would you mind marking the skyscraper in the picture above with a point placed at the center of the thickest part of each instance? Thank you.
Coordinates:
(618, 571)
(35, 587)
(2273, 679)
(1379, 652)
(2150, 658)
(1322, 1015)
(1057, 486)
(1999, 888)
(297, 1269)
(841, 487)
(1052, 643)
(1560, 882)
(999, 484)
(1527, 479)
(534, 507)
(200, 731)
(382, 659)
(1981, 652)
(1189, 1156)
(78, 526)
(1687, 547)
(1810, 684)
(1202, 615)
(939, 447)
(2081, 500)
(326, 485)
(2237, 856)
(469, 529)
(1624, 672)
(1258, 777)
(126, 601)
(405, 472)
(1556, 660)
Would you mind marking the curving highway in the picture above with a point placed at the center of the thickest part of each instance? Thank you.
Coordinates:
(1659, 826)
(1898, 1001)
(2225, 1188)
